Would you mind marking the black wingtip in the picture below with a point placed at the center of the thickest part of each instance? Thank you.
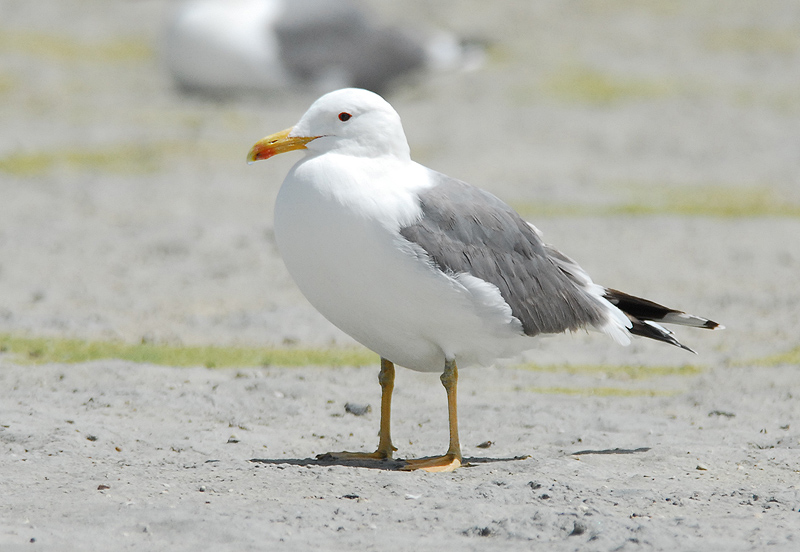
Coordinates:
(647, 316)
(644, 309)
(651, 330)
(685, 348)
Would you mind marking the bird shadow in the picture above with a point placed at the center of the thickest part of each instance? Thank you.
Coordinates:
(611, 451)
(397, 464)
(394, 464)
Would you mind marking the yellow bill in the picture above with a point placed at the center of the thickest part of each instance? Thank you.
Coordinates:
(280, 142)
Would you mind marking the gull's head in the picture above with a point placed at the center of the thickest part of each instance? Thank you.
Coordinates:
(350, 121)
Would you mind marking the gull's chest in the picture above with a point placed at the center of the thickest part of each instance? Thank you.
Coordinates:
(321, 236)
(341, 243)
(337, 231)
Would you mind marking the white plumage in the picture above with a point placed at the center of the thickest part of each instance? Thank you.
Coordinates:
(338, 217)
(425, 270)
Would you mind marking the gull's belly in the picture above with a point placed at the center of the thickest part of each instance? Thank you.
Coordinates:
(372, 284)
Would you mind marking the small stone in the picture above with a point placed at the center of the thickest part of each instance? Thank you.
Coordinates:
(701, 467)
(721, 413)
(478, 532)
(578, 529)
(357, 409)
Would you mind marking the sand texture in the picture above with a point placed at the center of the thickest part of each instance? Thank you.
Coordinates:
(657, 143)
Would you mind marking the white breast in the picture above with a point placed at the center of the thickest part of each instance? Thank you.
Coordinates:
(338, 234)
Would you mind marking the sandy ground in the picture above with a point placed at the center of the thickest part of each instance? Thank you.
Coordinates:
(127, 212)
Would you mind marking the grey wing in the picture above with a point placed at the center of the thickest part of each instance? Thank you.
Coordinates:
(467, 230)
(569, 267)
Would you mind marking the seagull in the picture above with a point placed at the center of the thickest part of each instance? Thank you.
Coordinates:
(233, 47)
(425, 270)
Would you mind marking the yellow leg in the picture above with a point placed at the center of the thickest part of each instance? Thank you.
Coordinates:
(452, 459)
(386, 379)
(385, 448)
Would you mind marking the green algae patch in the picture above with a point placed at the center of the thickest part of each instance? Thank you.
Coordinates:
(788, 358)
(580, 84)
(651, 7)
(119, 159)
(601, 391)
(717, 201)
(622, 372)
(46, 350)
(64, 48)
(122, 159)
(7, 83)
(753, 40)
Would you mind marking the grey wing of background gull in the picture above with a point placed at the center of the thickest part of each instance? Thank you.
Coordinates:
(337, 42)
(467, 230)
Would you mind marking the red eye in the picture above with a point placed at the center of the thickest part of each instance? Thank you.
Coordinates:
(344, 116)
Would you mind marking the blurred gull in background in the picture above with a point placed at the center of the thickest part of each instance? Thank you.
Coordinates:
(224, 47)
